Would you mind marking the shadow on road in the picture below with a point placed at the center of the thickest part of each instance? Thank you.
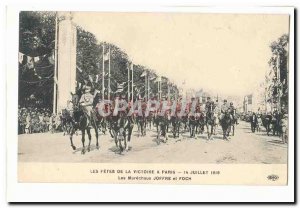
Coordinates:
(92, 148)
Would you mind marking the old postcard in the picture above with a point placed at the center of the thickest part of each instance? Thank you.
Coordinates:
(161, 97)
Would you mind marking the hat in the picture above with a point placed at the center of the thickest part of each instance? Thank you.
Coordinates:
(225, 100)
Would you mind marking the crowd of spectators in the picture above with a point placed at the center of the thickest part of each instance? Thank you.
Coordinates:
(37, 120)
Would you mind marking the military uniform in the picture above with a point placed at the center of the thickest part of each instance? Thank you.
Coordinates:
(86, 101)
(231, 110)
(224, 109)
(209, 106)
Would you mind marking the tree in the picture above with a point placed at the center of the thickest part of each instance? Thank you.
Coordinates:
(279, 64)
(36, 39)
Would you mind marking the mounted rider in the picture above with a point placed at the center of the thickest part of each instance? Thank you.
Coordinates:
(224, 109)
(86, 102)
(122, 114)
(217, 108)
(232, 111)
(163, 117)
(209, 105)
(191, 111)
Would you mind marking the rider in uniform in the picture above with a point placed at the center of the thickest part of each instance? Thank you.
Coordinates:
(192, 117)
(209, 105)
(163, 117)
(232, 110)
(86, 101)
(122, 114)
(217, 108)
(224, 108)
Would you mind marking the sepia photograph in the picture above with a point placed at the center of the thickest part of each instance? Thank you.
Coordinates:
(153, 97)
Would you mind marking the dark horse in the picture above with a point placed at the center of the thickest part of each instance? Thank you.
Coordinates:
(200, 118)
(210, 122)
(266, 121)
(141, 122)
(226, 123)
(175, 120)
(82, 122)
(162, 122)
(192, 125)
(121, 126)
(66, 122)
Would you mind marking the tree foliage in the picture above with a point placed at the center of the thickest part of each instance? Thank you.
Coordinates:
(279, 59)
(37, 38)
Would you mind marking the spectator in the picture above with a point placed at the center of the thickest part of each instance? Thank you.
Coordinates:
(33, 120)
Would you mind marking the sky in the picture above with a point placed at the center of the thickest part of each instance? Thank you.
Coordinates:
(223, 53)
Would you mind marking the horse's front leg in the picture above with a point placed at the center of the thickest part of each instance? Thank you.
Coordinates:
(103, 125)
(97, 135)
(224, 134)
(212, 131)
(90, 138)
(129, 137)
(139, 128)
(83, 141)
(71, 138)
(144, 129)
(208, 133)
(115, 136)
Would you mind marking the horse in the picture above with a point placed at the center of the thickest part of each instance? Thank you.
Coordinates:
(128, 130)
(101, 121)
(175, 121)
(117, 125)
(200, 123)
(185, 120)
(66, 121)
(266, 121)
(162, 122)
(226, 123)
(141, 122)
(192, 125)
(149, 120)
(233, 123)
(210, 122)
(82, 121)
(275, 122)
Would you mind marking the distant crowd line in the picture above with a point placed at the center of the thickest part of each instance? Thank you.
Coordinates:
(38, 120)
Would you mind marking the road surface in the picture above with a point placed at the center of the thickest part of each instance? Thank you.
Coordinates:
(244, 147)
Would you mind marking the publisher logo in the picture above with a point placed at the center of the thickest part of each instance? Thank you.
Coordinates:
(273, 177)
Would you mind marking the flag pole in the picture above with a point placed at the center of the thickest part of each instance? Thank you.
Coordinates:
(55, 66)
(132, 83)
(148, 95)
(108, 90)
(168, 90)
(158, 87)
(128, 83)
(145, 94)
(103, 71)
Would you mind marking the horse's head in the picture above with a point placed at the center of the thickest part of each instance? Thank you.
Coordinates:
(75, 101)
(227, 114)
